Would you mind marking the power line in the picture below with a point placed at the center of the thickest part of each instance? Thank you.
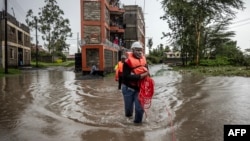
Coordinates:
(247, 19)
(240, 25)
(237, 23)
(18, 9)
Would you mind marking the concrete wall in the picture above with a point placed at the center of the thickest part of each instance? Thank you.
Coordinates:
(19, 51)
(92, 10)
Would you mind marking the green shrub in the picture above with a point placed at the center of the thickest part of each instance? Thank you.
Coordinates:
(219, 61)
(153, 59)
(59, 61)
(149, 62)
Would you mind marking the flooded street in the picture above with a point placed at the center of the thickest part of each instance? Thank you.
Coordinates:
(56, 105)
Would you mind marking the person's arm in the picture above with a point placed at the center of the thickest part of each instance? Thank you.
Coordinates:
(127, 76)
(144, 74)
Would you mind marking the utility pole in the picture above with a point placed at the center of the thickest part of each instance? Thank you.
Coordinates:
(6, 39)
(36, 45)
(78, 48)
(144, 8)
(13, 12)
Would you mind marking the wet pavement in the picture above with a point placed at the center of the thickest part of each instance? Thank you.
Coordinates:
(60, 105)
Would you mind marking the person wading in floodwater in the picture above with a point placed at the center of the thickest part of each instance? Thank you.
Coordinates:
(134, 69)
(94, 69)
(118, 71)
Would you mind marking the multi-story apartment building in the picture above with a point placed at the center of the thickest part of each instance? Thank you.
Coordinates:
(103, 30)
(135, 25)
(19, 52)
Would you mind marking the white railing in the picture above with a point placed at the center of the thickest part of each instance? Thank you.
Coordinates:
(109, 43)
(106, 42)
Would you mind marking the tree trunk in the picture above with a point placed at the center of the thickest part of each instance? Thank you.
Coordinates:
(198, 35)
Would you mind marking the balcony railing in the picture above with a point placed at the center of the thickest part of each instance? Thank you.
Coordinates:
(110, 44)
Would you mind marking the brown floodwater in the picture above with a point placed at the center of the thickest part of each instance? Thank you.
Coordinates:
(60, 105)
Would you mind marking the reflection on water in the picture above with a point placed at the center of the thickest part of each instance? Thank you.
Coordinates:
(209, 104)
(51, 105)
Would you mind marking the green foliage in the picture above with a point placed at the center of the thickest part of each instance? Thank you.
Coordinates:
(61, 55)
(11, 71)
(58, 61)
(219, 61)
(44, 64)
(156, 55)
(40, 53)
(51, 23)
(150, 43)
(197, 26)
(149, 62)
(153, 59)
(246, 60)
(232, 52)
(215, 71)
(43, 54)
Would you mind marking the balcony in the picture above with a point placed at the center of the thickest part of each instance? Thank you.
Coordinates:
(114, 7)
(116, 24)
(116, 10)
(116, 29)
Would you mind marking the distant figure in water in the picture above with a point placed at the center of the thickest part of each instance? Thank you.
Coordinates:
(94, 70)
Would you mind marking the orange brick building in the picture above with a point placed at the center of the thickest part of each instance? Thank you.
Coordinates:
(103, 28)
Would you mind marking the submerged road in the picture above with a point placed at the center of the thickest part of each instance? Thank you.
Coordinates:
(59, 105)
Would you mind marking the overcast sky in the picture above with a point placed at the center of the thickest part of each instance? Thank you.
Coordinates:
(153, 11)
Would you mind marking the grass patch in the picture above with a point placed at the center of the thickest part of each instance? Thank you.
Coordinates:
(45, 65)
(112, 74)
(215, 71)
(11, 71)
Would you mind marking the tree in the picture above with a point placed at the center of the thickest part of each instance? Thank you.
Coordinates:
(52, 25)
(247, 50)
(150, 44)
(167, 49)
(216, 36)
(189, 19)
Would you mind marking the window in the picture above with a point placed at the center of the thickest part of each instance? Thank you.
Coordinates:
(11, 53)
(12, 30)
(20, 37)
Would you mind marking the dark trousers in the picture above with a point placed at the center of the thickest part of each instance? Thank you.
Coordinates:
(132, 102)
(119, 82)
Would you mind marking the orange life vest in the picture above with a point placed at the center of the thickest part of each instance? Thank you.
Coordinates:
(118, 70)
(146, 84)
(138, 65)
(120, 66)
